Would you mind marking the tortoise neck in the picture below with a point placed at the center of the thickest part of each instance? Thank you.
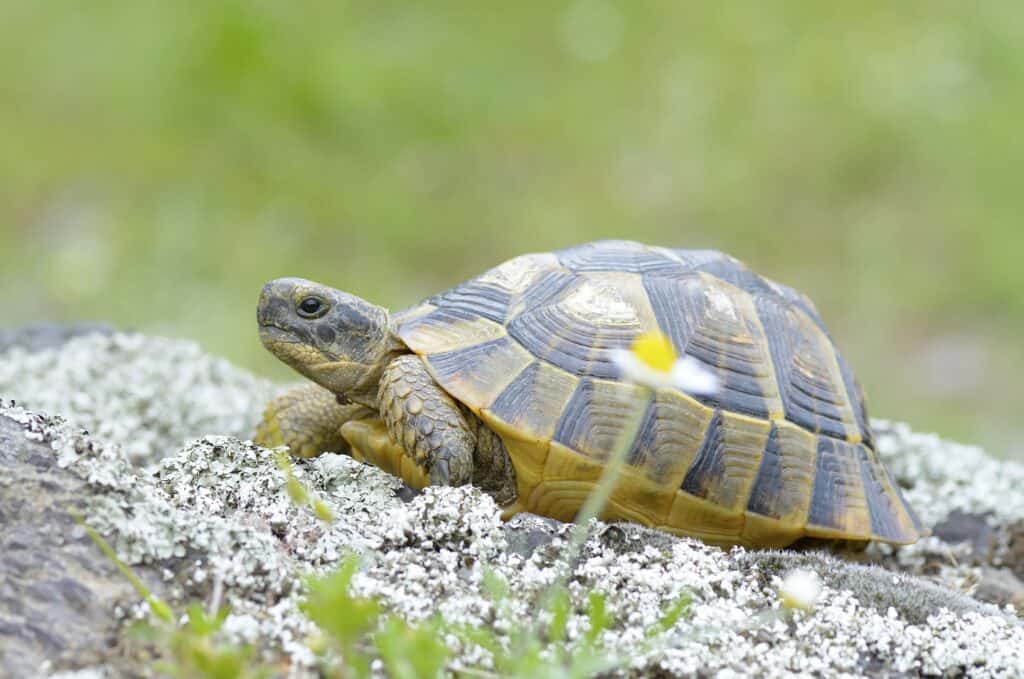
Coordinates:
(365, 391)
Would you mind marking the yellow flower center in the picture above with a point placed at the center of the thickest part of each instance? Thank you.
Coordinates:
(655, 350)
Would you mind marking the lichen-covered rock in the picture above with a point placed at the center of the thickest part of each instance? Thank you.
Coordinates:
(149, 394)
(57, 591)
(975, 508)
(216, 510)
(39, 336)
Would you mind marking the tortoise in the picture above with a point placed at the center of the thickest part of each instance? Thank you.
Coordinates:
(506, 381)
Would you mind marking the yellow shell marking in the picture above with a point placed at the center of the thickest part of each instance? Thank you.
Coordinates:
(731, 308)
(517, 274)
(431, 334)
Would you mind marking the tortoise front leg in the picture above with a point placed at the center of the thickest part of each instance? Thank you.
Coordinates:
(426, 422)
(308, 420)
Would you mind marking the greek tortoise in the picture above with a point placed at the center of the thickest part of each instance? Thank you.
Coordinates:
(506, 382)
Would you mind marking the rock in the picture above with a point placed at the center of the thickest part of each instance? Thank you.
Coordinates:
(973, 529)
(1014, 553)
(149, 394)
(970, 501)
(48, 335)
(58, 593)
(215, 509)
(525, 533)
(1001, 586)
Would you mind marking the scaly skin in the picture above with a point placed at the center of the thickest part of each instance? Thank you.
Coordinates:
(369, 380)
(308, 420)
(425, 420)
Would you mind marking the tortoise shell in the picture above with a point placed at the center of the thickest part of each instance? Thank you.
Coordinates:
(781, 451)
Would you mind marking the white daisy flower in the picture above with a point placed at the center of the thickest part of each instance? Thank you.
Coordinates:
(800, 590)
(652, 362)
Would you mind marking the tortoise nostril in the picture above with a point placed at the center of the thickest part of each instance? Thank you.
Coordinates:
(263, 309)
(271, 306)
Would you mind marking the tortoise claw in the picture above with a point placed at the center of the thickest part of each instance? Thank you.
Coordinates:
(440, 474)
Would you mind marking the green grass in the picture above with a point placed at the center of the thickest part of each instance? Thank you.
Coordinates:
(161, 160)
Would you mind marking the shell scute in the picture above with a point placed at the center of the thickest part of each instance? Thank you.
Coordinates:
(728, 461)
(477, 375)
(579, 329)
(593, 421)
(617, 255)
(782, 489)
(670, 437)
(810, 378)
(535, 400)
(839, 506)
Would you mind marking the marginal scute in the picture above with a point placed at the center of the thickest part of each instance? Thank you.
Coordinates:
(594, 421)
(560, 499)
(891, 518)
(782, 489)
(700, 518)
(839, 506)
(728, 461)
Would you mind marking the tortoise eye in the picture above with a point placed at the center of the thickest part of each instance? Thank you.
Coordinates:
(312, 307)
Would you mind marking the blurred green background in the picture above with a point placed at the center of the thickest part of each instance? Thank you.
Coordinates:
(160, 160)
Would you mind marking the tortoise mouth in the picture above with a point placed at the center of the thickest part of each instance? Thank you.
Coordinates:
(305, 359)
(309, 360)
(273, 334)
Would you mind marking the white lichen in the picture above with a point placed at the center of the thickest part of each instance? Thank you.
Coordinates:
(149, 394)
(940, 476)
(216, 510)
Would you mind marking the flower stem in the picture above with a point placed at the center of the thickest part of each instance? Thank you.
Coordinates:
(598, 498)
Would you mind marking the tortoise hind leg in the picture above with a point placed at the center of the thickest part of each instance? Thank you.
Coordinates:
(307, 419)
(493, 472)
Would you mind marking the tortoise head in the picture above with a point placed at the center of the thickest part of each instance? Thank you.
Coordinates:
(338, 340)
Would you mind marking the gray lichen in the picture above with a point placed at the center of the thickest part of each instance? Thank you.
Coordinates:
(216, 509)
(148, 394)
(941, 477)
(974, 505)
